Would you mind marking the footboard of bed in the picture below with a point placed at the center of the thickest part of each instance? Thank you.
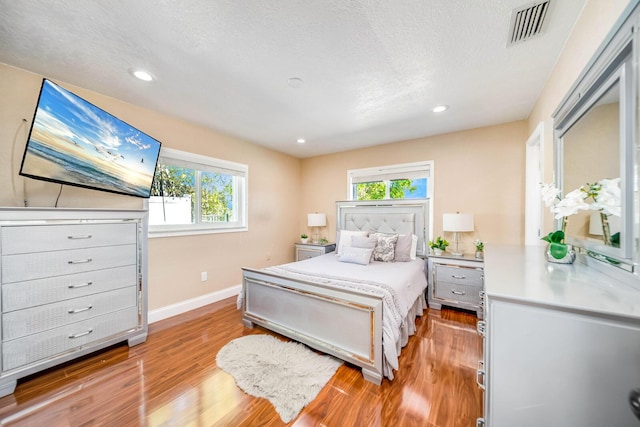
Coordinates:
(344, 323)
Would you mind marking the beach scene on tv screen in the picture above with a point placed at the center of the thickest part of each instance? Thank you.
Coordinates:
(75, 142)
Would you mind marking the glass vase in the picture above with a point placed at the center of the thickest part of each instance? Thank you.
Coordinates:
(569, 258)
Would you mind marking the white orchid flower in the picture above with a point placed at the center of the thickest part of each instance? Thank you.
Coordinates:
(571, 204)
(608, 198)
(550, 195)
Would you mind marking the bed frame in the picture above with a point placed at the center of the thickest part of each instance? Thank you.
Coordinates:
(346, 324)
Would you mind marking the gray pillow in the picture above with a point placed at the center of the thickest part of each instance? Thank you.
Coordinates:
(403, 248)
(385, 247)
(363, 242)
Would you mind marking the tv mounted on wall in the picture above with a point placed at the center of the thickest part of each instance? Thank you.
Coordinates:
(73, 142)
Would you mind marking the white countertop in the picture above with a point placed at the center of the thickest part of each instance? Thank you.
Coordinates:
(522, 273)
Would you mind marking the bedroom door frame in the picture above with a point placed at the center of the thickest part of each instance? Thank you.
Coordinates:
(534, 173)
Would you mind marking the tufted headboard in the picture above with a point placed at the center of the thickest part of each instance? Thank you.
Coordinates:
(397, 216)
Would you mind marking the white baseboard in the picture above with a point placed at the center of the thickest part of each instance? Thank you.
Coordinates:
(192, 304)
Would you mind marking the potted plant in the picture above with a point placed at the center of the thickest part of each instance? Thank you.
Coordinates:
(438, 245)
(479, 244)
(304, 238)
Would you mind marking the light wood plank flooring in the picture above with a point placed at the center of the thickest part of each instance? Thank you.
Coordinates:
(173, 380)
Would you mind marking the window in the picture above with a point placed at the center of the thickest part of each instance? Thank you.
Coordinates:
(405, 181)
(194, 194)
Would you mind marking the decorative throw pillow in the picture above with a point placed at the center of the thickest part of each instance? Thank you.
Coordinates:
(385, 247)
(353, 255)
(402, 251)
(344, 239)
(364, 242)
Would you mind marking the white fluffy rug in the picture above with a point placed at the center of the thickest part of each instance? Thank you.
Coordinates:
(288, 374)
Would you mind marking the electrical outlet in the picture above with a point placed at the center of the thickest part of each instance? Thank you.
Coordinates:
(203, 276)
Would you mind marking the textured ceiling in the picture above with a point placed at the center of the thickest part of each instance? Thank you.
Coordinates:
(372, 69)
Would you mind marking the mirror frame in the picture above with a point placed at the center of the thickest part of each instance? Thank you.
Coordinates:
(614, 62)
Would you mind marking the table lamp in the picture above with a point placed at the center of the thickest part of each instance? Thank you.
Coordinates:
(457, 223)
(316, 220)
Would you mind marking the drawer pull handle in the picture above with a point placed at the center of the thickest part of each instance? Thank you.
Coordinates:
(81, 334)
(79, 310)
(80, 285)
(480, 373)
(481, 327)
(458, 292)
(84, 236)
(80, 261)
(458, 277)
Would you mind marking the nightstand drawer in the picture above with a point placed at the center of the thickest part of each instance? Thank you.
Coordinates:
(458, 275)
(457, 292)
(307, 253)
(311, 250)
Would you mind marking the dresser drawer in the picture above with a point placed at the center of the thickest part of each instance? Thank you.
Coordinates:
(44, 317)
(19, 295)
(16, 268)
(457, 292)
(43, 238)
(50, 343)
(460, 275)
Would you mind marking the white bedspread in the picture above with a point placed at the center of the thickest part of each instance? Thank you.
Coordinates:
(401, 284)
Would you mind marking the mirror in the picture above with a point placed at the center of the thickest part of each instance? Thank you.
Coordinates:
(591, 149)
(594, 133)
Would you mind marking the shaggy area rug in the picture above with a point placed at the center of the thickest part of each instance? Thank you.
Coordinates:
(288, 374)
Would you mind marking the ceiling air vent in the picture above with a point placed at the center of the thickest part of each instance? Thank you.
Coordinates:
(527, 22)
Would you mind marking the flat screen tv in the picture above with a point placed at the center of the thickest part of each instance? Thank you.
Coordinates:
(73, 142)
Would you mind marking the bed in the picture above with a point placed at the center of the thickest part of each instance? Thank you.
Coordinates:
(363, 314)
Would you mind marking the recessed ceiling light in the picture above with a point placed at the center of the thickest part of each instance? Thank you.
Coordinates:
(301, 140)
(440, 108)
(142, 75)
(295, 82)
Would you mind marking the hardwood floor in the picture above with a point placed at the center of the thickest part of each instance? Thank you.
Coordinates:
(173, 380)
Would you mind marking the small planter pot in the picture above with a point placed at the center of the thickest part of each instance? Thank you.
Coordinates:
(304, 240)
(480, 254)
(437, 251)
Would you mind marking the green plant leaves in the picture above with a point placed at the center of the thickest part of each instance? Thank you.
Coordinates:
(554, 237)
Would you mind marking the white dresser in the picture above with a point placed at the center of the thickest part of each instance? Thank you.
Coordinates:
(72, 281)
(561, 343)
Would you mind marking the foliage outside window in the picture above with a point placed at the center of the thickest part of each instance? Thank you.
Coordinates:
(197, 194)
(405, 181)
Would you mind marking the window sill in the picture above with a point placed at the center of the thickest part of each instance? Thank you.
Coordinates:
(192, 231)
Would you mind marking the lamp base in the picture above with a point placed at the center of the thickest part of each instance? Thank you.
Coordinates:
(457, 251)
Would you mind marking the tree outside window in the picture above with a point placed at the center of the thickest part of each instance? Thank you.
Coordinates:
(391, 189)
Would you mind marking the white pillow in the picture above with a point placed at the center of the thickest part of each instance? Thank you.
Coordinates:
(414, 246)
(344, 239)
(360, 256)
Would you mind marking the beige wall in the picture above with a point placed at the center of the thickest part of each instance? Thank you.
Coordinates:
(175, 263)
(479, 171)
(597, 19)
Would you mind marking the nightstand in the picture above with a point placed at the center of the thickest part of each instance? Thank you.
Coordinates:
(310, 250)
(456, 281)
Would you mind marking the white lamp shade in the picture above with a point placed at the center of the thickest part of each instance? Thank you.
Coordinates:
(316, 220)
(595, 224)
(457, 222)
